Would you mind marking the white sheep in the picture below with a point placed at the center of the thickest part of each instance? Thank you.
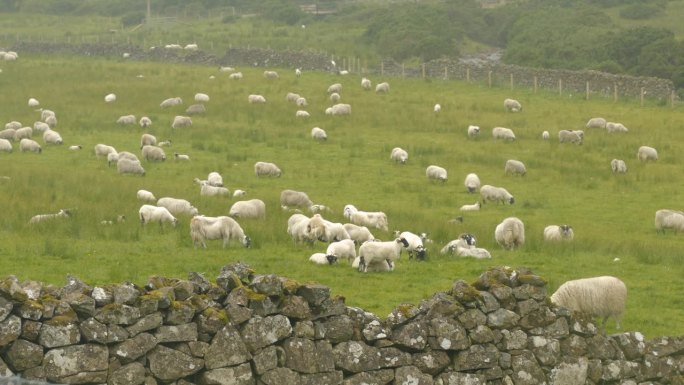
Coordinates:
(373, 252)
(298, 72)
(415, 244)
(147, 139)
(52, 137)
(318, 134)
(512, 105)
(365, 84)
(340, 109)
(473, 131)
(45, 113)
(177, 206)
(103, 150)
(371, 219)
(126, 120)
(226, 69)
(145, 122)
(646, 153)
(337, 87)
(510, 233)
(462, 248)
(266, 169)
(399, 155)
(151, 214)
(256, 99)
(322, 259)
(382, 88)
(129, 166)
(51, 121)
(358, 234)
(181, 157)
(301, 102)
(316, 228)
(503, 133)
(342, 249)
(110, 98)
(207, 190)
(171, 102)
(546, 135)
(602, 297)
(514, 167)
(302, 114)
(13, 125)
(145, 196)
(669, 219)
(8, 133)
(201, 98)
(472, 182)
(118, 219)
(21, 133)
(374, 267)
(292, 198)
(298, 228)
(63, 213)
(437, 108)
(239, 193)
(558, 233)
(250, 209)
(5, 145)
(618, 166)
(235, 76)
(33, 103)
(292, 97)
(29, 145)
(271, 75)
(474, 207)
(335, 98)
(596, 123)
(191, 47)
(225, 228)
(180, 121)
(613, 127)
(195, 109)
(75, 147)
(153, 153)
(569, 136)
(41, 127)
(490, 193)
(334, 232)
(434, 172)
(215, 179)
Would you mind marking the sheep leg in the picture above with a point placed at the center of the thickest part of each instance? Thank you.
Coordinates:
(391, 266)
(362, 264)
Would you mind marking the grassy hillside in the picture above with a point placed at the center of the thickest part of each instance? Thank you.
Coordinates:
(612, 215)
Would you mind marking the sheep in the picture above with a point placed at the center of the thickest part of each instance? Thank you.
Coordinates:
(318, 134)
(145, 122)
(239, 193)
(546, 135)
(302, 114)
(147, 139)
(436, 173)
(512, 105)
(8, 133)
(33, 102)
(569, 136)
(110, 98)
(472, 182)
(44, 114)
(371, 252)
(514, 167)
(375, 219)
(24, 132)
(341, 109)
(145, 196)
(253, 209)
(328, 111)
(181, 157)
(602, 297)
(215, 179)
(63, 213)
(474, 207)
(292, 97)
(266, 169)
(201, 98)
(341, 249)
(225, 228)
(29, 145)
(503, 133)
(41, 127)
(5, 145)
(52, 137)
(254, 99)
(126, 119)
(235, 76)
(461, 248)
(51, 121)
(618, 166)
(298, 72)
(596, 123)
(226, 69)
(171, 102)
(301, 102)
(13, 125)
(473, 131)
(333, 232)
(180, 121)
(382, 88)
(399, 155)
(495, 194)
(558, 233)
(374, 267)
(153, 153)
(335, 98)
(316, 227)
(437, 108)
(365, 83)
(195, 109)
(298, 228)
(613, 127)
(129, 166)
(343, 72)
(323, 259)
(646, 153)
(510, 233)
(415, 244)
(164, 143)
(103, 150)
(191, 47)
(669, 219)
(207, 190)
(337, 87)
(177, 206)
(75, 147)
(292, 198)
(150, 214)
(271, 75)
(358, 234)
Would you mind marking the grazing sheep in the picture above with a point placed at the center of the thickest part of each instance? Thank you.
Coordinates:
(301, 102)
(503, 133)
(177, 206)
(235, 76)
(51, 121)
(602, 297)
(145, 122)
(382, 88)
(129, 166)
(153, 153)
(292, 198)
(474, 207)
(399, 155)
(372, 252)
(201, 98)
(371, 219)
(150, 214)
(253, 99)
(415, 244)
(618, 166)
(8, 133)
(147, 140)
(271, 75)
(436, 173)
(215, 179)
(239, 193)
(341, 109)
(145, 196)
(40, 126)
(207, 190)
(302, 114)
(569, 136)
(495, 194)
(24, 132)
(29, 145)
(298, 72)
(323, 259)
(596, 123)
(171, 102)
(44, 114)
(126, 119)
(514, 167)
(63, 213)
(669, 219)
(512, 105)
(358, 234)
(110, 98)
(374, 267)
(103, 150)
(319, 134)
(225, 228)
(292, 97)
(33, 102)
(52, 137)
(333, 232)
(195, 109)
(341, 249)
(647, 153)
(366, 84)
(472, 182)
(75, 147)
(473, 131)
(5, 145)
(337, 87)
(266, 169)
(298, 228)
(181, 121)
(437, 108)
(613, 127)
(252, 209)
(181, 157)
(13, 125)
(510, 233)
(335, 98)
(558, 233)
(546, 135)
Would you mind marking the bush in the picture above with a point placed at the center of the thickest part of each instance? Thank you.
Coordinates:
(132, 18)
(640, 12)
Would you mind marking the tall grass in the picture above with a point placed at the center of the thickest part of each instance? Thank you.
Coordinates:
(612, 215)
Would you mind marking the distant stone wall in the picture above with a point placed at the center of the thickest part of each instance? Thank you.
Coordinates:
(245, 328)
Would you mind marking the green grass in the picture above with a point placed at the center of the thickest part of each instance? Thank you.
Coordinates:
(612, 215)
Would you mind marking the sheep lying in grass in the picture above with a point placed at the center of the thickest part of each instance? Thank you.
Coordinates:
(399, 155)
(512, 105)
(145, 196)
(181, 157)
(618, 166)
(252, 209)
(374, 252)
(646, 153)
(207, 190)
(495, 194)
(461, 248)
(151, 214)
(204, 229)
(323, 259)
(472, 182)
(177, 206)
(371, 219)
(510, 233)
(415, 244)
(434, 172)
(373, 267)
(474, 207)
(235, 76)
(345, 248)
(292, 97)
(669, 219)
(558, 233)
(515, 167)
(63, 213)
(266, 169)
(601, 297)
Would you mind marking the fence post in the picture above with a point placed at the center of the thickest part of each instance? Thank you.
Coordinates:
(560, 87)
(536, 83)
(423, 70)
(587, 91)
(489, 77)
(446, 75)
(672, 98)
(615, 92)
(511, 81)
(643, 92)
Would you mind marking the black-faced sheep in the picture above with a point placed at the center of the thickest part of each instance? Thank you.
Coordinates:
(558, 233)
(323, 259)
(345, 248)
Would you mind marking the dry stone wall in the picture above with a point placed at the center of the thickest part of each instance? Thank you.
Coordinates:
(244, 328)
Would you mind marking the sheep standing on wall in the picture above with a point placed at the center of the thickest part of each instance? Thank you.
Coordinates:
(669, 219)
(252, 209)
(204, 229)
(602, 297)
(399, 155)
(495, 194)
(515, 167)
(374, 252)
(512, 105)
(646, 153)
(63, 213)
(266, 169)
(510, 233)
(618, 166)
(558, 233)
(150, 214)
(503, 133)
(472, 182)
(436, 173)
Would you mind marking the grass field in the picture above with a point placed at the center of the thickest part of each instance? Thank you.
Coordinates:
(612, 215)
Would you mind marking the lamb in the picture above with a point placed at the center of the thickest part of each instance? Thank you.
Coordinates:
(41, 127)
(558, 233)
(207, 190)
(374, 219)
(195, 109)
(63, 213)
(374, 267)
(235, 76)
(147, 139)
(472, 182)
(569, 136)
(180, 121)
(302, 114)
(177, 206)
(145, 196)
(323, 259)
(215, 179)
(613, 127)
(292, 97)
(618, 166)
(503, 133)
(110, 98)
(514, 167)
(473, 131)
(399, 155)
(29, 145)
(510, 233)
(335, 98)
(103, 150)
(239, 193)
(512, 105)
(298, 72)
(126, 119)
(461, 248)
(33, 102)
(225, 228)
(52, 137)
(301, 102)
(341, 109)
(253, 209)
(366, 84)
(337, 87)
(253, 99)
(546, 135)
(145, 122)
(372, 252)
(669, 219)
(5, 145)
(341, 249)
(436, 173)
(358, 234)
(181, 157)
(24, 132)
(129, 166)
(646, 153)
(474, 207)
(118, 219)
(596, 123)
(437, 108)
(415, 244)
(153, 153)
(150, 214)
(602, 297)
(319, 134)
(171, 102)
(382, 88)
(266, 169)
(495, 194)
(201, 98)
(291, 198)
(271, 75)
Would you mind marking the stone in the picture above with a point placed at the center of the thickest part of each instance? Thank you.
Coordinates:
(339, 328)
(102, 295)
(117, 314)
(502, 319)
(10, 330)
(234, 375)
(574, 346)
(260, 332)
(134, 348)
(30, 330)
(266, 359)
(5, 308)
(356, 357)
(23, 355)
(281, 376)
(179, 313)
(146, 323)
(328, 308)
(410, 375)
(375, 377)
(30, 309)
(54, 333)
(125, 293)
(176, 333)
(201, 283)
(432, 362)
(632, 344)
(131, 374)
(471, 318)
(83, 305)
(76, 364)
(481, 334)
(304, 329)
(265, 305)
(169, 365)
(526, 370)
(183, 290)
(269, 285)
(327, 378)
(570, 372)
(306, 356)
(314, 294)
(234, 275)
(295, 307)
(458, 378)
(412, 336)
(488, 302)
(374, 330)
(477, 357)
(226, 349)
(447, 334)
(211, 320)
(546, 350)
(238, 314)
